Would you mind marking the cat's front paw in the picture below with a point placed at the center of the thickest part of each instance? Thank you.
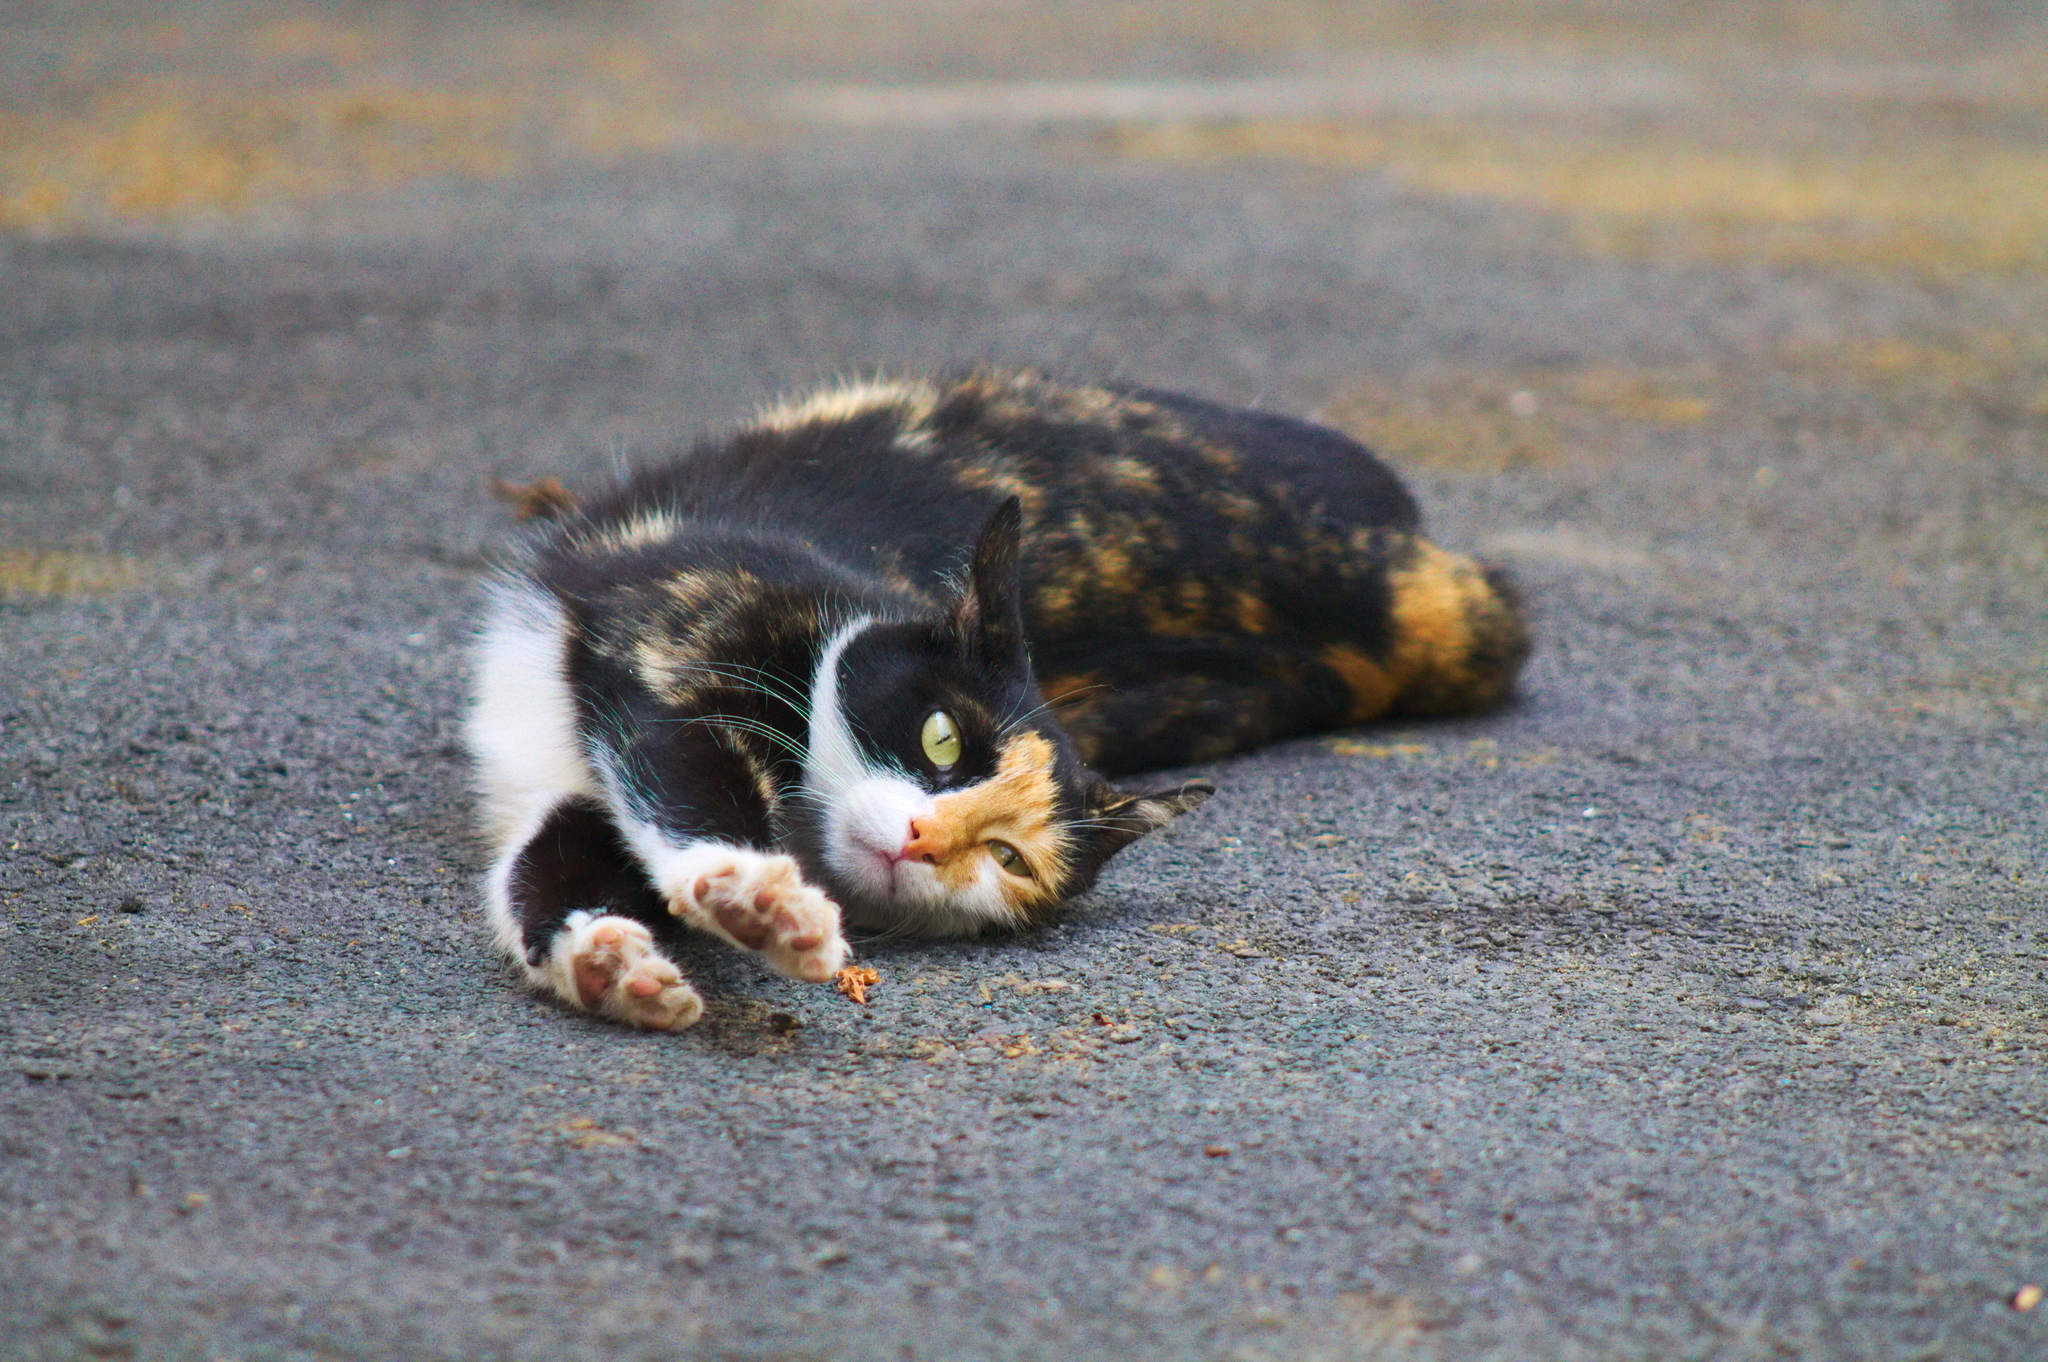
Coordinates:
(618, 972)
(761, 903)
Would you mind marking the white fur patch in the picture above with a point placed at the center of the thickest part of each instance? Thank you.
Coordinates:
(832, 761)
(647, 527)
(521, 729)
(848, 400)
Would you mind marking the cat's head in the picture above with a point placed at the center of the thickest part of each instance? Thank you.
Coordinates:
(943, 796)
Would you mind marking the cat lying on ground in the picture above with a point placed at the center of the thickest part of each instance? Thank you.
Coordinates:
(868, 662)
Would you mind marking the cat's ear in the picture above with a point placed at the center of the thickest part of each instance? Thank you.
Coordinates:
(1118, 818)
(988, 614)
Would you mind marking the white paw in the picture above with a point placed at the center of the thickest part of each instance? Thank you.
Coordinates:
(618, 972)
(761, 903)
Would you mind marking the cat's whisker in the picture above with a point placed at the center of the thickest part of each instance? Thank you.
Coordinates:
(774, 737)
(1067, 697)
(1047, 707)
(740, 678)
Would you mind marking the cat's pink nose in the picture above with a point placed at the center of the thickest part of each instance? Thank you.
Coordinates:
(923, 844)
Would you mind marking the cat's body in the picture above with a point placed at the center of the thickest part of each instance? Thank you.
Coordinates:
(797, 675)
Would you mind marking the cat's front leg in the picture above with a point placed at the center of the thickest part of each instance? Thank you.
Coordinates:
(568, 902)
(760, 902)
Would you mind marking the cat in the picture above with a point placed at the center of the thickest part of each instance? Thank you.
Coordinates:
(870, 662)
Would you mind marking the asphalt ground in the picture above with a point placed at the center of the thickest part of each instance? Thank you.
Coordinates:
(1690, 1008)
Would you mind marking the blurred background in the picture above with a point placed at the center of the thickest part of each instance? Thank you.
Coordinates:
(1874, 170)
(1850, 132)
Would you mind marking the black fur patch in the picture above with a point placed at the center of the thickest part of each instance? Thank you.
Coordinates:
(576, 862)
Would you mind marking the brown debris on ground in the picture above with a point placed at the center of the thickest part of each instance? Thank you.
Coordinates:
(541, 499)
(855, 980)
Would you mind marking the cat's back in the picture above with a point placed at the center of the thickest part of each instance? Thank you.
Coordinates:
(1197, 579)
(909, 469)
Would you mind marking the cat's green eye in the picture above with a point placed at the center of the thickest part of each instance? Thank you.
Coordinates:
(941, 740)
(1009, 858)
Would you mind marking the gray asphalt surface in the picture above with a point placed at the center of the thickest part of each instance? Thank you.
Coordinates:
(1691, 1008)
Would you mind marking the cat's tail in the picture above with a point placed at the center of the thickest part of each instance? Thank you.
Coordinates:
(1457, 638)
(1460, 633)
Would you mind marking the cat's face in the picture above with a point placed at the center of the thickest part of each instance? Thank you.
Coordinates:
(942, 798)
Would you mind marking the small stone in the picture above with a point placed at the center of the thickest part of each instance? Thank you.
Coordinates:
(692, 1253)
(132, 904)
(2027, 1297)
(1216, 1151)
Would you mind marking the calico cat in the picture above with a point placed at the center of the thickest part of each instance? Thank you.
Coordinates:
(868, 661)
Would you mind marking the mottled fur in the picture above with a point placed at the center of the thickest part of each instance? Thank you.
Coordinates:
(700, 699)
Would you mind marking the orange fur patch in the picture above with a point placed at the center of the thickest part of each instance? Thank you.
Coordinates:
(1254, 616)
(1448, 617)
(1177, 618)
(1373, 684)
(1054, 602)
(1058, 688)
(1132, 474)
(1014, 805)
(1433, 601)
(1440, 600)
(1005, 482)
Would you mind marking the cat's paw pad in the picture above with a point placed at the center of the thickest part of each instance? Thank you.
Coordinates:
(762, 903)
(620, 973)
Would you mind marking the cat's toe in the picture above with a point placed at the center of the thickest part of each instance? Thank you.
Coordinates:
(652, 996)
(657, 1003)
(598, 959)
(620, 973)
(805, 940)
